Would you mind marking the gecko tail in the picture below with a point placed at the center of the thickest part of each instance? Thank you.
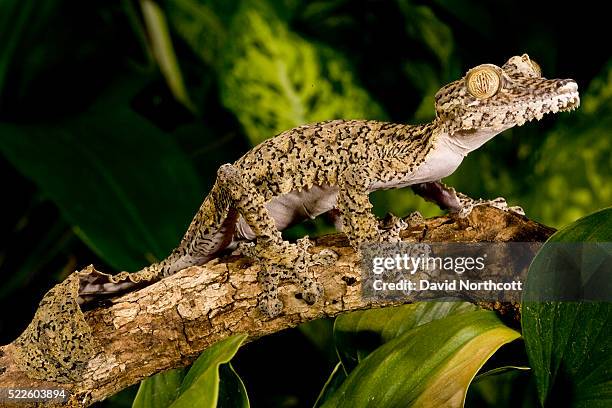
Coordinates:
(95, 285)
(211, 232)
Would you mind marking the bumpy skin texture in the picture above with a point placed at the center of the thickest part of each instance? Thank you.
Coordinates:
(57, 344)
(332, 167)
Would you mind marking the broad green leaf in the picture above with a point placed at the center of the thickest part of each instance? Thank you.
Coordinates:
(596, 227)
(200, 387)
(219, 382)
(232, 393)
(336, 378)
(159, 390)
(125, 186)
(430, 365)
(320, 332)
(569, 344)
(274, 80)
(357, 334)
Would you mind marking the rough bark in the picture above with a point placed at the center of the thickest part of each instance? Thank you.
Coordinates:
(167, 324)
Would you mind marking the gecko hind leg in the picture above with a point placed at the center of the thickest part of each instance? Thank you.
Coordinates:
(278, 258)
(294, 266)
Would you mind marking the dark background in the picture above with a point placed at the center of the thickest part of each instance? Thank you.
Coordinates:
(103, 162)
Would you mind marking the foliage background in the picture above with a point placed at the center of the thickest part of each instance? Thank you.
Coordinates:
(115, 115)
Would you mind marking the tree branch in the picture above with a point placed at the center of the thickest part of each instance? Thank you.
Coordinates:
(168, 323)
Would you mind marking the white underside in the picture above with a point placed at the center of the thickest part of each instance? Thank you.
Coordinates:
(447, 154)
(293, 207)
(440, 163)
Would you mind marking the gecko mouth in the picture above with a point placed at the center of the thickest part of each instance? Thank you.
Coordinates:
(566, 100)
(569, 102)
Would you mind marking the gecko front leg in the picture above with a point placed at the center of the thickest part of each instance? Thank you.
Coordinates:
(447, 198)
(357, 220)
(278, 258)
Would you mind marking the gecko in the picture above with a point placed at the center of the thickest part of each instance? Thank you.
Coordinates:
(333, 166)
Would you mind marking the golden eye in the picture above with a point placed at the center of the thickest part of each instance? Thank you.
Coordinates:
(536, 68)
(483, 81)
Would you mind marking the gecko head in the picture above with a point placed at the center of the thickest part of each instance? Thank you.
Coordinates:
(491, 99)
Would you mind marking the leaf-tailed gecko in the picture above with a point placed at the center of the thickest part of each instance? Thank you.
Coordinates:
(334, 165)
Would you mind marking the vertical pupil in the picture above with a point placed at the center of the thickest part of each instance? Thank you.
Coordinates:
(482, 82)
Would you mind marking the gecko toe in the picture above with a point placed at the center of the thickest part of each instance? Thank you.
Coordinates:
(312, 293)
(270, 306)
(517, 209)
(415, 218)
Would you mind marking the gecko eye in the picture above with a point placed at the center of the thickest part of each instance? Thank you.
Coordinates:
(534, 65)
(483, 81)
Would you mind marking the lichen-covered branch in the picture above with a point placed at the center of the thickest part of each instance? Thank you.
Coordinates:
(167, 324)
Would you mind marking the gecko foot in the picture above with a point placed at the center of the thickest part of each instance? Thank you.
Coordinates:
(415, 218)
(290, 262)
(311, 289)
(268, 301)
(391, 227)
(269, 305)
(468, 204)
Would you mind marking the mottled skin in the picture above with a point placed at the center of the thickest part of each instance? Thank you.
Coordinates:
(334, 165)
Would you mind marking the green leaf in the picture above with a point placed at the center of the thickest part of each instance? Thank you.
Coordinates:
(274, 80)
(335, 380)
(596, 227)
(500, 371)
(357, 334)
(320, 332)
(429, 365)
(208, 382)
(125, 186)
(200, 388)
(232, 393)
(161, 45)
(159, 390)
(569, 344)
